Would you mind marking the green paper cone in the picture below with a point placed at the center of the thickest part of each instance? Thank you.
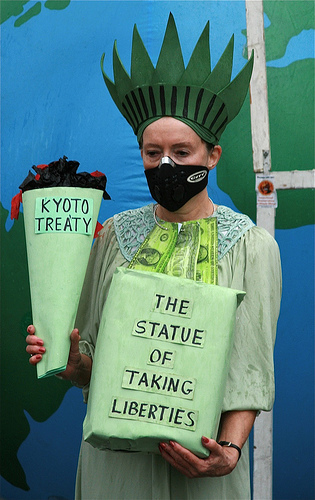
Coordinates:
(161, 362)
(59, 229)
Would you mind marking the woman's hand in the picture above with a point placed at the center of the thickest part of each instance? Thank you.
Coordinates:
(35, 346)
(221, 461)
(235, 426)
(79, 365)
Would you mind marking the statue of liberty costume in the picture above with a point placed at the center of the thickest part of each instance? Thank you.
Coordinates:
(241, 256)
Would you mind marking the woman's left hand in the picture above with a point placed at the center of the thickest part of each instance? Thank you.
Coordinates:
(221, 461)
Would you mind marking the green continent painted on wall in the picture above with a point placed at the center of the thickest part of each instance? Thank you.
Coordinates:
(291, 117)
(288, 19)
(20, 388)
(15, 8)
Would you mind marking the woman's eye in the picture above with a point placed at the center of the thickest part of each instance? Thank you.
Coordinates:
(152, 154)
(182, 153)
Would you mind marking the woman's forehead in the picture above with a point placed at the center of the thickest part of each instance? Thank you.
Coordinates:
(170, 130)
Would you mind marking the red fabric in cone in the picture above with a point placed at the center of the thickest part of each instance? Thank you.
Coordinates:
(15, 205)
(97, 229)
(97, 174)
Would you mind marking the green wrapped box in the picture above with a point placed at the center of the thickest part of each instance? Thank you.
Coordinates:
(161, 362)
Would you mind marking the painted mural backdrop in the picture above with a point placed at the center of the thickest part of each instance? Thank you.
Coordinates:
(54, 102)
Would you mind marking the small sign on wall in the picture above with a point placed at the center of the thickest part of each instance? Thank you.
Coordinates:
(266, 192)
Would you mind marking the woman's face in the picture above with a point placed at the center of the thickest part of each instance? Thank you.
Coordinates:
(170, 137)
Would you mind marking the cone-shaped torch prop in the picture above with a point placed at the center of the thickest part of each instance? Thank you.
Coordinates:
(59, 223)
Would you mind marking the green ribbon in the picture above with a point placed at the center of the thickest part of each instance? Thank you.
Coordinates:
(189, 252)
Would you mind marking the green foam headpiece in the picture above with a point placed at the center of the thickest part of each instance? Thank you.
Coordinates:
(203, 99)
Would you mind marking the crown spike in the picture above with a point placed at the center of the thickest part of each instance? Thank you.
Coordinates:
(170, 65)
(141, 65)
(199, 65)
(220, 77)
(122, 79)
(234, 94)
(111, 86)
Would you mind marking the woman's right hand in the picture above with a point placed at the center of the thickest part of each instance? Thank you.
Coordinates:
(35, 346)
(79, 365)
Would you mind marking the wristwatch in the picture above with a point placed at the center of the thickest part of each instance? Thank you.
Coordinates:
(231, 445)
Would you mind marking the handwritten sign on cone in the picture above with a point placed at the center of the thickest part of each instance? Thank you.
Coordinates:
(59, 229)
(161, 362)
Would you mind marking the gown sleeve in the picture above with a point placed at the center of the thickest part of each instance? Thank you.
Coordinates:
(253, 266)
(104, 259)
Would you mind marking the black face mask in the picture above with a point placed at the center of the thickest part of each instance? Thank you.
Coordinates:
(172, 185)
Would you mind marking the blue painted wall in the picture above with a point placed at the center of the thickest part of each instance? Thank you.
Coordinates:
(54, 103)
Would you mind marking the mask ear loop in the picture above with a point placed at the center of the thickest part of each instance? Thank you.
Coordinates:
(155, 219)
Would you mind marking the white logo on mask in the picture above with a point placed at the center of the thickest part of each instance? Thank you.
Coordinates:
(197, 177)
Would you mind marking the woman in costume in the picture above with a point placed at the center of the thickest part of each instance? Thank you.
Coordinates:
(178, 116)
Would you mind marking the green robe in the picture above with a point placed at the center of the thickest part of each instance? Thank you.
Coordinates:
(249, 261)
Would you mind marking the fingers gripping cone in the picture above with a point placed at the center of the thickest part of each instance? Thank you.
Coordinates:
(59, 230)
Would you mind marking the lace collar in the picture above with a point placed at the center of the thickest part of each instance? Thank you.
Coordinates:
(132, 227)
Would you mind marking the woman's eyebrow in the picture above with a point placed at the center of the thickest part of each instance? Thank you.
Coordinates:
(176, 145)
(182, 145)
(152, 145)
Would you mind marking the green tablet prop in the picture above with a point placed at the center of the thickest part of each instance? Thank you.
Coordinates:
(59, 229)
(161, 362)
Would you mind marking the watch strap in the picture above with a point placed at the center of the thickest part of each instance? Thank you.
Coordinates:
(231, 445)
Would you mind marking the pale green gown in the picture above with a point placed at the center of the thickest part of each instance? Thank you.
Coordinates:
(248, 260)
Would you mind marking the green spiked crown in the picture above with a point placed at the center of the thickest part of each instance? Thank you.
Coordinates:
(203, 99)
